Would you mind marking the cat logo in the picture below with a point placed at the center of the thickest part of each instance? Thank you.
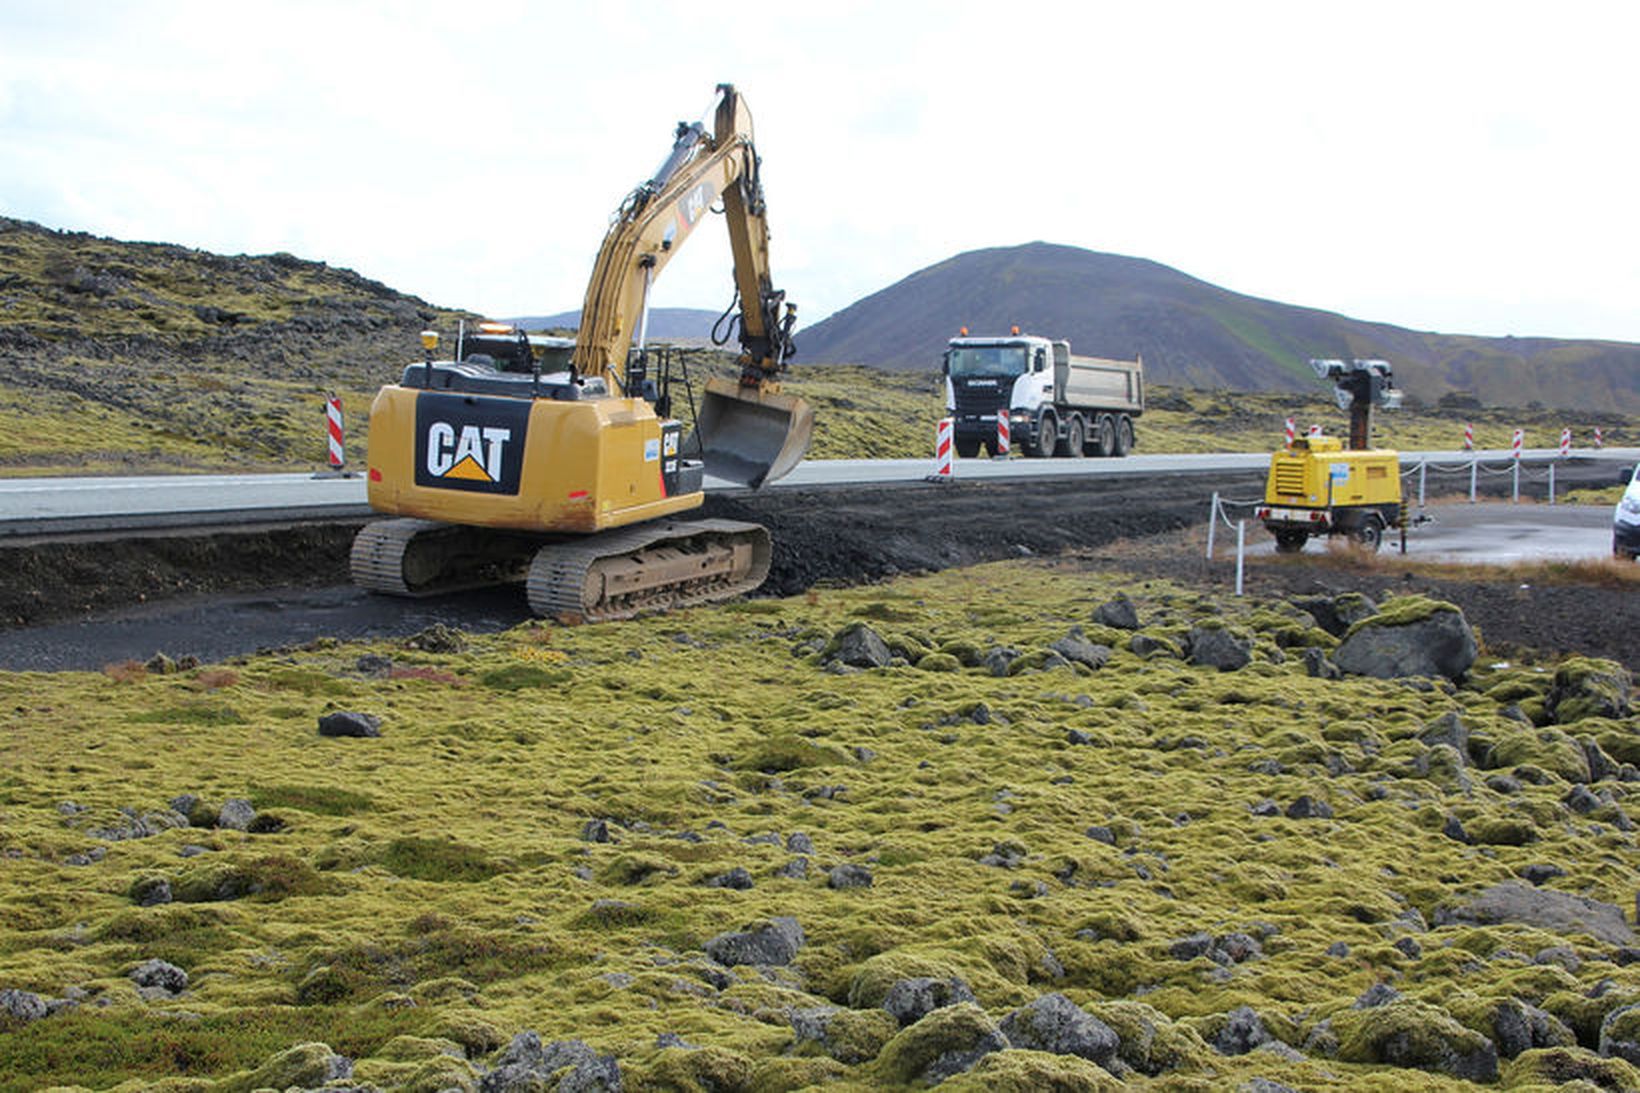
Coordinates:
(475, 454)
(467, 443)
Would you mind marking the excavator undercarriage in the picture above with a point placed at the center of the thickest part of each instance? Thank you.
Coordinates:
(619, 574)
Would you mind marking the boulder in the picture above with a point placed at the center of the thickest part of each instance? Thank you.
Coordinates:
(1589, 687)
(1620, 1034)
(1218, 647)
(1055, 1024)
(1118, 614)
(1412, 636)
(859, 646)
(948, 1041)
(348, 723)
(772, 942)
(527, 1065)
(160, 975)
(23, 1005)
(1544, 908)
(1413, 1034)
(1079, 650)
(910, 1000)
(1336, 614)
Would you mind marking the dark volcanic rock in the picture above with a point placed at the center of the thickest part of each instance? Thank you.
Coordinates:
(1544, 908)
(346, 723)
(910, 1000)
(1421, 639)
(1055, 1024)
(773, 942)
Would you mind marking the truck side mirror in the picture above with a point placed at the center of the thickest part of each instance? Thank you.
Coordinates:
(1041, 361)
(945, 364)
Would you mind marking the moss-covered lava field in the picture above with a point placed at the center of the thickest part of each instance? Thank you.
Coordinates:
(1034, 849)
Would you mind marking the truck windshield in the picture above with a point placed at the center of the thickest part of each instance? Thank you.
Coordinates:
(988, 360)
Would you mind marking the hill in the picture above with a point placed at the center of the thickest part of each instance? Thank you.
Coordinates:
(1195, 334)
(118, 355)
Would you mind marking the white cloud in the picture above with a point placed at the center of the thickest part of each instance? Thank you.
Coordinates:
(1464, 166)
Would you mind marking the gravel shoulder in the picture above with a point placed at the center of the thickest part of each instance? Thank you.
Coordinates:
(84, 604)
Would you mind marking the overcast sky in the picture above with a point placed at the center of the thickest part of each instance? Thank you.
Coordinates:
(1470, 167)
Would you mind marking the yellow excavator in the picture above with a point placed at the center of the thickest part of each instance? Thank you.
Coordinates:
(557, 463)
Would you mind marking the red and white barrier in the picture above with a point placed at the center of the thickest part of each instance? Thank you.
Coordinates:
(1002, 432)
(942, 449)
(1315, 430)
(1599, 440)
(1565, 443)
(1468, 437)
(1291, 432)
(333, 420)
(1520, 439)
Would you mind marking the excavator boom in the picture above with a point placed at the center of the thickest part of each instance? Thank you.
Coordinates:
(746, 431)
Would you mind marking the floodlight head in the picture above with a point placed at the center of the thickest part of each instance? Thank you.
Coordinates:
(1327, 369)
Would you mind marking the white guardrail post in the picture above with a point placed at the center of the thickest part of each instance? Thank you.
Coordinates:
(1241, 550)
(1474, 466)
(1551, 483)
(1212, 524)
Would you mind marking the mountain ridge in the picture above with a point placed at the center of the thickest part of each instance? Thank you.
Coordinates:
(1195, 334)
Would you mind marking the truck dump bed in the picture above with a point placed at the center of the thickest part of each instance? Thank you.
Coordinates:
(1098, 383)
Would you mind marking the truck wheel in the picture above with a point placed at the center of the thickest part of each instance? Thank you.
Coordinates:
(1104, 436)
(1047, 437)
(1075, 439)
(1290, 540)
(1124, 437)
(968, 449)
(1369, 533)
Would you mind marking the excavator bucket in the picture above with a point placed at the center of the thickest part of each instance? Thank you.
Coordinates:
(748, 436)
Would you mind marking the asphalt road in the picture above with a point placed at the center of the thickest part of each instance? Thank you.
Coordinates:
(30, 506)
(1491, 533)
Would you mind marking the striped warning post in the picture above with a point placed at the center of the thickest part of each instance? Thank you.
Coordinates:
(942, 449)
(1468, 437)
(1599, 440)
(1290, 432)
(1002, 432)
(1520, 438)
(333, 418)
(1565, 443)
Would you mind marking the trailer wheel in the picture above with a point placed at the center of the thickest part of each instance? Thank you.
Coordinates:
(1369, 533)
(1291, 540)
(1124, 437)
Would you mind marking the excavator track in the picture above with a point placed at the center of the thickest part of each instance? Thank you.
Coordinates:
(410, 557)
(647, 569)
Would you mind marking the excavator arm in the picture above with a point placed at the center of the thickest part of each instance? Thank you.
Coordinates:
(746, 432)
(652, 224)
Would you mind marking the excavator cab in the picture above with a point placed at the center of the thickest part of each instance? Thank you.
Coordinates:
(750, 435)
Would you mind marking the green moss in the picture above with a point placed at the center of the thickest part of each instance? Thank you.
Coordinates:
(1150, 1042)
(953, 1030)
(518, 677)
(939, 662)
(323, 800)
(786, 752)
(1560, 1067)
(1547, 749)
(1034, 1072)
(268, 879)
(439, 860)
(192, 713)
(1502, 830)
(1402, 611)
(683, 1070)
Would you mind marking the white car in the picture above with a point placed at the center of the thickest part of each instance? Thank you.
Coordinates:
(1626, 520)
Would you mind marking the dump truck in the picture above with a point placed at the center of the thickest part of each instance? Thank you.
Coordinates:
(1056, 404)
(1318, 486)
